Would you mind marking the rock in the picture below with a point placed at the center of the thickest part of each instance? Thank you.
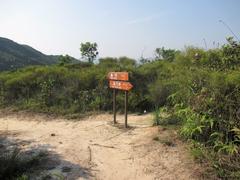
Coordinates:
(66, 169)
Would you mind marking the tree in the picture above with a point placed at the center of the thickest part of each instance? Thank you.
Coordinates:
(231, 54)
(144, 60)
(63, 60)
(166, 54)
(108, 62)
(126, 62)
(89, 51)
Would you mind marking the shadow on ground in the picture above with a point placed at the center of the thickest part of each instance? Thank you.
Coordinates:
(19, 159)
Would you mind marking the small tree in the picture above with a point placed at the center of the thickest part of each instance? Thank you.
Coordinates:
(231, 54)
(166, 54)
(63, 60)
(89, 51)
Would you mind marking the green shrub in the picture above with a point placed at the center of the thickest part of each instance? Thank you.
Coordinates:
(16, 164)
(199, 88)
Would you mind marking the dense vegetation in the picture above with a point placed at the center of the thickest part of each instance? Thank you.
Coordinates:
(17, 164)
(200, 90)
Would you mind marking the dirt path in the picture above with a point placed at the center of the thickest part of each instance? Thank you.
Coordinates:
(93, 148)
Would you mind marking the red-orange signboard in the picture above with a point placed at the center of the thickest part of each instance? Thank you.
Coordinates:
(120, 85)
(118, 80)
(120, 76)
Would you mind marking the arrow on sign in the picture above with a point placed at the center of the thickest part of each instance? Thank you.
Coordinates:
(120, 76)
(120, 85)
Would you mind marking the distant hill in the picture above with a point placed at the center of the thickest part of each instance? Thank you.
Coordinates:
(14, 55)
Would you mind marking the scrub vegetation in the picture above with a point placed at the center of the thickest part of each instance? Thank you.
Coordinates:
(197, 89)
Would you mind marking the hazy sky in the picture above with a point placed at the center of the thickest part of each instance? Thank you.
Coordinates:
(120, 27)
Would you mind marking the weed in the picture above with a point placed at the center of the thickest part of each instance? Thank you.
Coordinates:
(156, 118)
(16, 164)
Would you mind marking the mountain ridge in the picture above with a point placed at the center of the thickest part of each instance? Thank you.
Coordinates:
(14, 55)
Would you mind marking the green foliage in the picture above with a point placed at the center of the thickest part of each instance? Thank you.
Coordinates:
(89, 51)
(46, 88)
(216, 164)
(14, 56)
(164, 116)
(16, 164)
(231, 54)
(23, 177)
(195, 126)
(63, 60)
(202, 88)
(198, 89)
(166, 54)
(156, 118)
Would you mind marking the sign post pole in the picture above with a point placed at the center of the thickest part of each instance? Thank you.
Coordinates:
(114, 106)
(126, 108)
(119, 81)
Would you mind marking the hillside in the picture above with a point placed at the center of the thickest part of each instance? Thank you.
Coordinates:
(14, 55)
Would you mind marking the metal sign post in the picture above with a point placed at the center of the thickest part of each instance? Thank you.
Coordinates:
(126, 108)
(114, 106)
(118, 80)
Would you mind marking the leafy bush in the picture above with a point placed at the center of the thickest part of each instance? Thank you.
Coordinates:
(201, 89)
(16, 164)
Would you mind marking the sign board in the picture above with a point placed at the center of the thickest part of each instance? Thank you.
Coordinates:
(119, 76)
(118, 80)
(126, 86)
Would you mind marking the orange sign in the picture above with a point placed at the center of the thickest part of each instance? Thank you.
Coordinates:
(120, 85)
(120, 76)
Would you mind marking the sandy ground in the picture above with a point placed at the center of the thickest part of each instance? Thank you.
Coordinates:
(93, 148)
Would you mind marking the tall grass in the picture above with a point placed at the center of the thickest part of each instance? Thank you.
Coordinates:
(16, 164)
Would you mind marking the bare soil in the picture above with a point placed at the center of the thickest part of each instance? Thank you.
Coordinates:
(94, 148)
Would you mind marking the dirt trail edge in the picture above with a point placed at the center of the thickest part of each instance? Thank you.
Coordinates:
(93, 148)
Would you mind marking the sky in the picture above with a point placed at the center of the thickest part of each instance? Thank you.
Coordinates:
(132, 28)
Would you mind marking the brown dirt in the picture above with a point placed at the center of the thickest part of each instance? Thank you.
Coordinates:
(93, 148)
